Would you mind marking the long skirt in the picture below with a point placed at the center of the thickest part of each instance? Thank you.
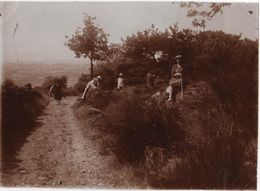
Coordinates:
(174, 81)
(57, 94)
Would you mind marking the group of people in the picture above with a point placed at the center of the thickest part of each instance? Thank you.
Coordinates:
(175, 83)
(95, 84)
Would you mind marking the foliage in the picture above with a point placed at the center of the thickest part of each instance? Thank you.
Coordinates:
(226, 61)
(109, 75)
(20, 108)
(82, 82)
(219, 161)
(100, 98)
(70, 91)
(115, 56)
(51, 80)
(140, 49)
(111, 66)
(135, 125)
(203, 12)
(229, 65)
(89, 41)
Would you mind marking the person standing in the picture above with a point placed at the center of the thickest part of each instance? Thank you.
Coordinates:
(91, 85)
(56, 90)
(120, 82)
(150, 80)
(175, 83)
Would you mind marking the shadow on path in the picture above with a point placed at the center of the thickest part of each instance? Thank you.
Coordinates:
(12, 142)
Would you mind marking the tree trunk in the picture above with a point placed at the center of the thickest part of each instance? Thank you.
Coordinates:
(91, 68)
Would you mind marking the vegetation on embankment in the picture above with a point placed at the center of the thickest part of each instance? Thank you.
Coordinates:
(209, 137)
(20, 108)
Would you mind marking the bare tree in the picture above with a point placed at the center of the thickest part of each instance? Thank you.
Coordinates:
(203, 12)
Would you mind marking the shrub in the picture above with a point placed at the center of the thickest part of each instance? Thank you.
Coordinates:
(50, 80)
(20, 108)
(219, 161)
(229, 64)
(82, 82)
(136, 125)
(97, 98)
(70, 91)
(108, 74)
(226, 62)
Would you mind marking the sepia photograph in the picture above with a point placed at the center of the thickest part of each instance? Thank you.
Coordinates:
(129, 94)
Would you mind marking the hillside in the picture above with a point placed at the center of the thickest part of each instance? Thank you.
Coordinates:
(204, 139)
(190, 143)
(36, 73)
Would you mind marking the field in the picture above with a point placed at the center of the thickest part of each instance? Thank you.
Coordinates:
(36, 73)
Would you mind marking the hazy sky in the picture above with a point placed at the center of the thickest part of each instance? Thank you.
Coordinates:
(42, 26)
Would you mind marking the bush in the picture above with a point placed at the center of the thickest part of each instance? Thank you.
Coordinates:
(108, 74)
(70, 91)
(99, 99)
(220, 161)
(135, 125)
(20, 108)
(50, 80)
(82, 82)
(229, 64)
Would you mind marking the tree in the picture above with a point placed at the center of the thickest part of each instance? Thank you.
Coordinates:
(50, 80)
(89, 42)
(63, 80)
(82, 81)
(203, 12)
(141, 49)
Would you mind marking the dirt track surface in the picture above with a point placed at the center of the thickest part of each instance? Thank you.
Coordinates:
(57, 155)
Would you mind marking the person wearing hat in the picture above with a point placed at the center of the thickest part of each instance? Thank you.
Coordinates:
(93, 84)
(120, 81)
(176, 79)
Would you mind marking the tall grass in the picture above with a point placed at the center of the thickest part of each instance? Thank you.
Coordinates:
(219, 161)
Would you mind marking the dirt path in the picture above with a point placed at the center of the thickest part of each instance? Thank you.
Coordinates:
(57, 155)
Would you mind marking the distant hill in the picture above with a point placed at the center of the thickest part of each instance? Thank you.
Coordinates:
(36, 73)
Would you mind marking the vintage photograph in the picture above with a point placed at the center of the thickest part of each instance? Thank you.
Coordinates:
(129, 95)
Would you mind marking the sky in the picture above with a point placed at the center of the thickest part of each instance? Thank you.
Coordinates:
(40, 34)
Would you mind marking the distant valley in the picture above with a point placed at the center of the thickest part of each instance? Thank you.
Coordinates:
(36, 73)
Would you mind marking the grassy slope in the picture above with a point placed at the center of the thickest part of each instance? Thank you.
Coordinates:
(200, 112)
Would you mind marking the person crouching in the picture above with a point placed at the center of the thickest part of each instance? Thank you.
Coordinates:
(91, 85)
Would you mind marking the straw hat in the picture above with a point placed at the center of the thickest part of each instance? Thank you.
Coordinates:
(177, 57)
